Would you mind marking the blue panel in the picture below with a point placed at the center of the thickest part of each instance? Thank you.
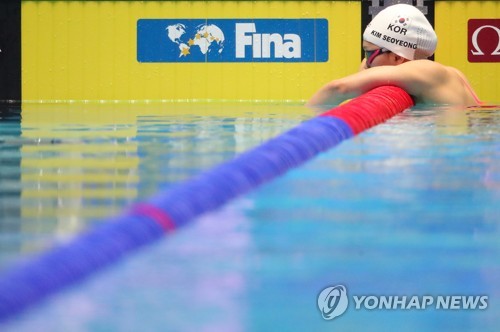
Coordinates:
(230, 40)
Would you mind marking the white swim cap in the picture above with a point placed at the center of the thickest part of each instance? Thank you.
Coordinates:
(403, 30)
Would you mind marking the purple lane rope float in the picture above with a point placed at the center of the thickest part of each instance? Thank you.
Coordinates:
(33, 280)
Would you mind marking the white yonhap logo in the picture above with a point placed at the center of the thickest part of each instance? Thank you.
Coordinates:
(332, 301)
(395, 302)
(477, 50)
(287, 46)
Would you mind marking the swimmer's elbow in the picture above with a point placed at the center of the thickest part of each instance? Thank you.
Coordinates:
(331, 93)
(340, 88)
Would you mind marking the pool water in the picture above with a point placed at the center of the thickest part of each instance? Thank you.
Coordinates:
(407, 208)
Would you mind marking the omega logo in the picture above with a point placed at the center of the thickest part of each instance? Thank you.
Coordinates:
(482, 46)
(477, 50)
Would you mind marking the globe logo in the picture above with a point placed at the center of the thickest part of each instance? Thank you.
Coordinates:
(332, 302)
(206, 38)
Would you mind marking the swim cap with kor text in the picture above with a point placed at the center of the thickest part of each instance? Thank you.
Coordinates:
(404, 30)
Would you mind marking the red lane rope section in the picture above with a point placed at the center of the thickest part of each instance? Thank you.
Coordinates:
(372, 108)
(156, 214)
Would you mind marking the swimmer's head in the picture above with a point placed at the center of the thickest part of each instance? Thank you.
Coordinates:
(403, 30)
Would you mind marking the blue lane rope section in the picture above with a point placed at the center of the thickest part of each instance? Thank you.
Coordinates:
(213, 188)
(31, 281)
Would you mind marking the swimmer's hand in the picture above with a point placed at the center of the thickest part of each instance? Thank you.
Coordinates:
(363, 65)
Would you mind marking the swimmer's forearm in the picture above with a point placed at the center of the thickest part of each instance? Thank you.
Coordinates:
(333, 93)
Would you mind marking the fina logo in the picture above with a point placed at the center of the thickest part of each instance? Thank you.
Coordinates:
(287, 46)
(332, 302)
(209, 36)
(232, 40)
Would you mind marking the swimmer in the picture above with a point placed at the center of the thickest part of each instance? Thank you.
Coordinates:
(397, 43)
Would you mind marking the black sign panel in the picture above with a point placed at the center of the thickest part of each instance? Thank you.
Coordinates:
(10, 50)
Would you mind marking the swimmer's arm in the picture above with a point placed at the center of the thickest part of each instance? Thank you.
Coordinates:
(413, 76)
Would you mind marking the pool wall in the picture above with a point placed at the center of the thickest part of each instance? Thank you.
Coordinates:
(253, 50)
(89, 50)
(460, 25)
(123, 50)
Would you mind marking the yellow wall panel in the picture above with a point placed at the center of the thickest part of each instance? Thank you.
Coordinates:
(86, 50)
(451, 27)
